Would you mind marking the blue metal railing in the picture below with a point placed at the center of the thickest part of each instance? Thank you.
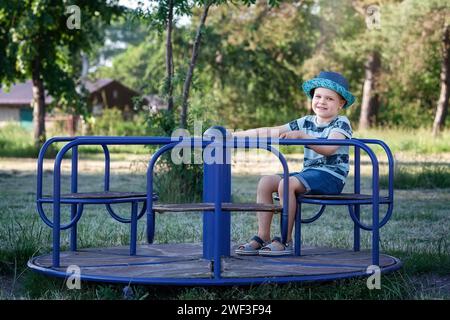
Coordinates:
(168, 143)
(218, 186)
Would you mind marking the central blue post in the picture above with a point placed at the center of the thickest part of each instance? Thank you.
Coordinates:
(216, 169)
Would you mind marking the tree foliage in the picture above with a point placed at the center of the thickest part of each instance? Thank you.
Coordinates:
(37, 42)
(33, 29)
(254, 58)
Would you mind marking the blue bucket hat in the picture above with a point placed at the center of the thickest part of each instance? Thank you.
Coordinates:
(330, 80)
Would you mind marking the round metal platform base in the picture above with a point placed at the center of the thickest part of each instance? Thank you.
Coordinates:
(183, 264)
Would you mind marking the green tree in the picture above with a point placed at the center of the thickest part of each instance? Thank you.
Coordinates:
(139, 66)
(351, 42)
(395, 60)
(417, 80)
(162, 14)
(442, 105)
(121, 33)
(162, 18)
(370, 41)
(253, 62)
(256, 57)
(43, 40)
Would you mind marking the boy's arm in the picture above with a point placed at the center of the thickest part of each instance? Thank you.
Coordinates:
(323, 150)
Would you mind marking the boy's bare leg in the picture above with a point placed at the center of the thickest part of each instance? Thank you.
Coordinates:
(295, 188)
(266, 187)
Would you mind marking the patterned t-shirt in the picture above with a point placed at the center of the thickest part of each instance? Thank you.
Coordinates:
(336, 164)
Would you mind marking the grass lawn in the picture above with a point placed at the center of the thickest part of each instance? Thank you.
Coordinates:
(418, 234)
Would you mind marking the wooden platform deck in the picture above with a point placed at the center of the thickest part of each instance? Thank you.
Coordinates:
(176, 261)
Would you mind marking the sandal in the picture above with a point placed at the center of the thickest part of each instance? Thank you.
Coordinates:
(273, 249)
(248, 250)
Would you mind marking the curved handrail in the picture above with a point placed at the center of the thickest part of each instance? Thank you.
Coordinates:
(108, 206)
(158, 140)
(42, 152)
(375, 179)
(375, 187)
(57, 179)
(150, 215)
(316, 216)
(68, 225)
(40, 165)
(191, 143)
(116, 217)
(389, 211)
(363, 226)
(40, 162)
(107, 166)
(391, 163)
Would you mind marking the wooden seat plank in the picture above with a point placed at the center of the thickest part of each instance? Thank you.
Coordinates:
(184, 207)
(104, 195)
(342, 196)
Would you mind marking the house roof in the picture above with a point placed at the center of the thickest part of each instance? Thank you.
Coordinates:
(98, 84)
(21, 94)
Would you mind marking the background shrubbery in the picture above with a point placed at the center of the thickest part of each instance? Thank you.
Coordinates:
(111, 123)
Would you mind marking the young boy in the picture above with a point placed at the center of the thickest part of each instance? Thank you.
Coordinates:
(325, 167)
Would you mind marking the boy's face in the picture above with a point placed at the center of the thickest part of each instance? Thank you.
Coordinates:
(326, 103)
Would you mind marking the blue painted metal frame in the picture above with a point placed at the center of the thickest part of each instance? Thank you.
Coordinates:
(355, 213)
(76, 205)
(218, 225)
(357, 190)
(214, 281)
(218, 176)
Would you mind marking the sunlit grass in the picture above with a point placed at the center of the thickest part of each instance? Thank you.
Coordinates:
(18, 142)
(419, 141)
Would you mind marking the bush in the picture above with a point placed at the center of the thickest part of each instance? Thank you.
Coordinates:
(173, 183)
(16, 141)
(111, 123)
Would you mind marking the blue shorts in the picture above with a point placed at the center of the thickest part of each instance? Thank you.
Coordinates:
(319, 182)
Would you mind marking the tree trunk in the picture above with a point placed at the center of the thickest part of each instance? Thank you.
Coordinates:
(370, 101)
(190, 72)
(169, 57)
(442, 106)
(38, 104)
